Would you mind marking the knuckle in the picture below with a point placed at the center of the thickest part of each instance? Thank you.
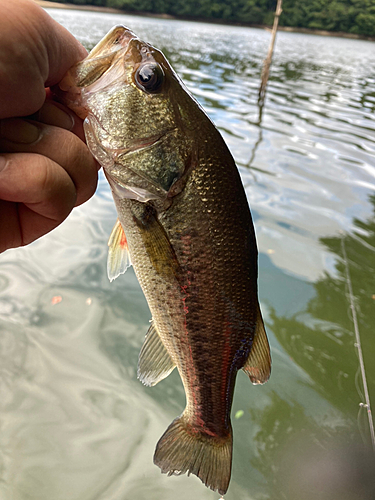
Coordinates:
(84, 170)
(56, 189)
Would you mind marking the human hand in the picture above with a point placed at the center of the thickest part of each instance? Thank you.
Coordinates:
(45, 167)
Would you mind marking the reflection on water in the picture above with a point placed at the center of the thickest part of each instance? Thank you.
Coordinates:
(325, 326)
(320, 338)
(75, 422)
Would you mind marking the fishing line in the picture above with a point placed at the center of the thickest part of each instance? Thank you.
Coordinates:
(358, 345)
(357, 382)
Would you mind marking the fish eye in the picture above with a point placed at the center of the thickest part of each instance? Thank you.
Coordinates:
(149, 77)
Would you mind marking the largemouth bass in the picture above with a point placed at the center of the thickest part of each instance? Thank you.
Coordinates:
(185, 225)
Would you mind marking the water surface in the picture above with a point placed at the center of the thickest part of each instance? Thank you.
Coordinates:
(75, 422)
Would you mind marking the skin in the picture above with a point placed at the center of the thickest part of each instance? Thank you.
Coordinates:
(46, 168)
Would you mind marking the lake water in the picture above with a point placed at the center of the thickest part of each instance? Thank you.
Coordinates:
(75, 422)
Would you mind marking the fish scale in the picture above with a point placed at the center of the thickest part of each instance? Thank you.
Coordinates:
(185, 222)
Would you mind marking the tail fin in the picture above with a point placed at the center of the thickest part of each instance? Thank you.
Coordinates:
(183, 448)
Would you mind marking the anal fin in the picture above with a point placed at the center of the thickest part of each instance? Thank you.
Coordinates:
(154, 363)
(118, 253)
(258, 364)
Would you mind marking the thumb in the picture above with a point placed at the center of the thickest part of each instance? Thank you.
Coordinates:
(36, 51)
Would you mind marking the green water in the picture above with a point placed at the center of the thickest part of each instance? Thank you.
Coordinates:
(75, 424)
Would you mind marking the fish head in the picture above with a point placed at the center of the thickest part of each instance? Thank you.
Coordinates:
(139, 118)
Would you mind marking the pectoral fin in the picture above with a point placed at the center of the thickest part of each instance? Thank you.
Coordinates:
(155, 240)
(118, 253)
(258, 364)
(154, 363)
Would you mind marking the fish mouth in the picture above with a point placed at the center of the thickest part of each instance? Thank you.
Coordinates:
(90, 74)
(118, 38)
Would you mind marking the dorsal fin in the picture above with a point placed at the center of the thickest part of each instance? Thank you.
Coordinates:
(258, 364)
(118, 253)
(154, 363)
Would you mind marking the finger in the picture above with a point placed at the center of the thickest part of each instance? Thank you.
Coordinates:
(57, 144)
(42, 195)
(64, 50)
(20, 225)
(58, 115)
(10, 232)
(37, 52)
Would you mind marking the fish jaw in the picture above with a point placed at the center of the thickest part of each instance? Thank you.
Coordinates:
(73, 88)
(116, 39)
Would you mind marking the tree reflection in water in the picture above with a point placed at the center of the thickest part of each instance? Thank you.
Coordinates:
(313, 459)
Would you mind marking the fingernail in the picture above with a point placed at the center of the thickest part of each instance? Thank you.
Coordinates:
(19, 131)
(53, 115)
(3, 162)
